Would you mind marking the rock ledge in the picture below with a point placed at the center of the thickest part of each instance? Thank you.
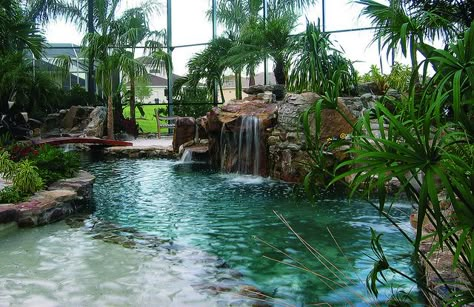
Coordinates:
(61, 199)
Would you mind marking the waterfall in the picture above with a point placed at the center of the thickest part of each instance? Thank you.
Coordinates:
(240, 148)
(187, 156)
(249, 146)
(222, 148)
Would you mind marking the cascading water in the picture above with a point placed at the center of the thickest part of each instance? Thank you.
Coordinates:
(240, 149)
(187, 156)
(249, 146)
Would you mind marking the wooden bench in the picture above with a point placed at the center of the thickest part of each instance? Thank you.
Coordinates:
(170, 122)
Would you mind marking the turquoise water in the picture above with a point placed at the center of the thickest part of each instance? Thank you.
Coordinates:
(230, 216)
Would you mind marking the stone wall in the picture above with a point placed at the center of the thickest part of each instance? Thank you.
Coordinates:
(288, 154)
(48, 206)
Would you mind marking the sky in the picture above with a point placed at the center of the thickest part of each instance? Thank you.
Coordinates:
(191, 26)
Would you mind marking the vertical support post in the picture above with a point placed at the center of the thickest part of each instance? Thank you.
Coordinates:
(214, 35)
(90, 70)
(169, 42)
(265, 60)
(323, 3)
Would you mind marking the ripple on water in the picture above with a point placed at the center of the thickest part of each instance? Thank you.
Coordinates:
(205, 213)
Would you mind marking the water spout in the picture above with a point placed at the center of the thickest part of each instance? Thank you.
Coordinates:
(187, 156)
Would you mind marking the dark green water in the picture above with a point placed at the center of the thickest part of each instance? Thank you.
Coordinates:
(222, 214)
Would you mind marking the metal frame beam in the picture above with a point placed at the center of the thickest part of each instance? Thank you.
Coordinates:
(265, 60)
(169, 40)
(323, 3)
(91, 69)
(215, 96)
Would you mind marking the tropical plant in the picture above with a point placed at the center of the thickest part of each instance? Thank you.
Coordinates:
(461, 12)
(398, 28)
(23, 174)
(315, 60)
(9, 195)
(17, 31)
(133, 30)
(207, 65)
(189, 101)
(53, 163)
(398, 79)
(429, 151)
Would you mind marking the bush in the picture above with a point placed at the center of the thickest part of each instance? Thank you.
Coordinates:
(10, 195)
(54, 164)
(24, 175)
(191, 102)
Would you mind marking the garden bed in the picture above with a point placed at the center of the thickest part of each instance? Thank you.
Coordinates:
(61, 199)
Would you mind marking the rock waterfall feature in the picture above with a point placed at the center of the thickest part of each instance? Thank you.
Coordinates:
(238, 134)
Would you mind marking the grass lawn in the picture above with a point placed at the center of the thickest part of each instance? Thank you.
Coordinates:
(148, 122)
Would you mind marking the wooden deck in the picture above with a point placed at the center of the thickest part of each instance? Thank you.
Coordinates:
(79, 140)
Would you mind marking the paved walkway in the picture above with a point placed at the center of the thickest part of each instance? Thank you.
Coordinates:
(163, 142)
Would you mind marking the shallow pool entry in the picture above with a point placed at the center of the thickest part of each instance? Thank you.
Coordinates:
(165, 233)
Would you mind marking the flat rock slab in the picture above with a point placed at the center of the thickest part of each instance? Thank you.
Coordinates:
(62, 198)
(142, 152)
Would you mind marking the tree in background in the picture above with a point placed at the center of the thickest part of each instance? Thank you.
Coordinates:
(456, 11)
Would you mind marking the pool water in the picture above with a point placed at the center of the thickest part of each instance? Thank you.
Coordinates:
(185, 235)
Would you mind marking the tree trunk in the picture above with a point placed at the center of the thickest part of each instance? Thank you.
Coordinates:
(132, 99)
(110, 118)
(279, 72)
(252, 78)
(222, 91)
(238, 85)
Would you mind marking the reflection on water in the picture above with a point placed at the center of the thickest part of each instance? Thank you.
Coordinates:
(212, 221)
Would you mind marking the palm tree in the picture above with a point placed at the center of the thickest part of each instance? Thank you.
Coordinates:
(207, 65)
(17, 32)
(399, 28)
(18, 35)
(98, 46)
(271, 38)
(133, 29)
(255, 38)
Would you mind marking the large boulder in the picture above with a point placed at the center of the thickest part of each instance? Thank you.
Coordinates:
(185, 131)
(288, 153)
(276, 89)
(76, 118)
(97, 120)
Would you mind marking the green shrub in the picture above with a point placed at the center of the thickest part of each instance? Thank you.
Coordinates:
(54, 164)
(26, 178)
(10, 195)
(24, 175)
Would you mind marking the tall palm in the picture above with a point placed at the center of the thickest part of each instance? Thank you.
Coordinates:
(242, 19)
(208, 65)
(17, 31)
(98, 46)
(133, 29)
(271, 38)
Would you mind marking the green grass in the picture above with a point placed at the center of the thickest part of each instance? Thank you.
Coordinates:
(148, 122)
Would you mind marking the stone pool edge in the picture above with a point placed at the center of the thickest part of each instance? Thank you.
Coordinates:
(58, 201)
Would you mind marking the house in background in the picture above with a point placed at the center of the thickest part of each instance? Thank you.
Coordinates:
(228, 85)
(158, 82)
(78, 70)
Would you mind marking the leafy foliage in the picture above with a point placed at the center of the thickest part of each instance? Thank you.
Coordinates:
(53, 163)
(23, 174)
(10, 195)
(190, 101)
(426, 144)
(398, 79)
(316, 61)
